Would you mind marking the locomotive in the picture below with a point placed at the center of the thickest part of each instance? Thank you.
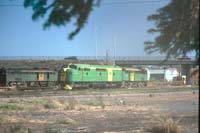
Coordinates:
(102, 76)
(75, 76)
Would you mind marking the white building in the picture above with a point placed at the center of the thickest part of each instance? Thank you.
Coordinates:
(170, 73)
(162, 73)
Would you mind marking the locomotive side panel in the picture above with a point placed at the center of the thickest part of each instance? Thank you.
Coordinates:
(30, 77)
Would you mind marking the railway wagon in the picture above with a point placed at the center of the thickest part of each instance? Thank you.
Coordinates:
(85, 75)
(134, 77)
(28, 77)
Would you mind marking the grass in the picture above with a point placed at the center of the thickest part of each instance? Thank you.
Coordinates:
(97, 102)
(10, 106)
(108, 91)
(130, 91)
(72, 102)
(69, 104)
(51, 130)
(15, 128)
(39, 103)
(50, 103)
(3, 119)
(26, 101)
(150, 95)
(65, 121)
(165, 124)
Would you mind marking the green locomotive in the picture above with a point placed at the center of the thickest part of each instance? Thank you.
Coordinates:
(85, 75)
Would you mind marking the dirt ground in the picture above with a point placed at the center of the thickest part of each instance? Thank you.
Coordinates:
(137, 112)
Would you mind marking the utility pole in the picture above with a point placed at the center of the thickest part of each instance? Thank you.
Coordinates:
(115, 48)
(96, 43)
(107, 56)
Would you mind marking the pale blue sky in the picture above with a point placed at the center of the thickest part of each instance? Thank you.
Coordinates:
(20, 36)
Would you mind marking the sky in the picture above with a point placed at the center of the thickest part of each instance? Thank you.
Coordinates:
(120, 29)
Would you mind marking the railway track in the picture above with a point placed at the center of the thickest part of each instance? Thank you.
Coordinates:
(32, 93)
(43, 93)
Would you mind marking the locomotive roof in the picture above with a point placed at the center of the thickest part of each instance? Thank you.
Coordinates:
(91, 65)
(28, 70)
(134, 69)
(96, 66)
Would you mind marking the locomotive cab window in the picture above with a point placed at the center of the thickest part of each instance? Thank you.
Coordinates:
(100, 69)
(86, 69)
(73, 66)
(83, 69)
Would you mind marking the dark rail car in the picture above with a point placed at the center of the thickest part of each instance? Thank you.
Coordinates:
(28, 77)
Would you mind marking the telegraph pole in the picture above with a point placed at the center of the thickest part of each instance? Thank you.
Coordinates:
(115, 47)
(96, 43)
(107, 56)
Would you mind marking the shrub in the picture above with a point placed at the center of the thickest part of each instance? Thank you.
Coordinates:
(165, 125)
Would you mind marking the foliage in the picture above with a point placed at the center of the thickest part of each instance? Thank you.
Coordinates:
(165, 124)
(62, 12)
(178, 27)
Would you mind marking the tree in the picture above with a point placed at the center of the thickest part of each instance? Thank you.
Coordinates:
(62, 12)
(178, 27)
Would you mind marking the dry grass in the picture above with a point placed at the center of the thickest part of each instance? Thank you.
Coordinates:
(51, 130)
(97, 102)
(39, 104)
(51, 103)
(15, 128)
(3, 119)
(65, 121)
(165, 124)
(10, 106)
(69, 104)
